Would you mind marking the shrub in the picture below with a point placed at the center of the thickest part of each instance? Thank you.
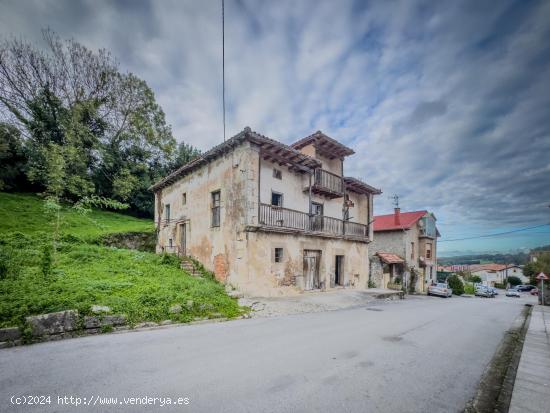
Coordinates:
(475, 279)
(371, 284)
(469, 288)
(513, 281)
(456, 284)
(46, 259)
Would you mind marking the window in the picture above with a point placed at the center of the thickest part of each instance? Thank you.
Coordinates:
(276, 199)
(316, 208)
(428, 250)
(278, 255)
(184, 198)
(412, 250)
(277, 174)
(170, 244)
(167, 212)
(216, 209)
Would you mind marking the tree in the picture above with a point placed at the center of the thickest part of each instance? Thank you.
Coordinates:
(13, 158)
(455, 283)
(475, 279)
(542, 264)
(114, 137)
(513, 281)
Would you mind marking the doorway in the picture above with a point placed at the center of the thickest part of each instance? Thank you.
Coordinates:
(183, 240)
(339, 270)
(312, 260)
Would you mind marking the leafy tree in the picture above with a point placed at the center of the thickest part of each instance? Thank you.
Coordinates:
(108, 129)
(12, 157)
(475, 279)
(455, 283)
(185, 153)
(542, 264)
(513, 281)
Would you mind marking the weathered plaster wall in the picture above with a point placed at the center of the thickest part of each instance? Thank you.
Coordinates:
(265, 277)
(218, 248)
(292, 186)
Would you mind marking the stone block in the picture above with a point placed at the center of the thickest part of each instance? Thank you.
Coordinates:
(53, 323)
(175, 309)
(98, 309)
(102, 321)
(10, 334)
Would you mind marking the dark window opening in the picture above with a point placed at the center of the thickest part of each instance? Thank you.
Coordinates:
(278, 255)
(167, 212)
(216, 209)
(339, 270)
(276, 199)
(184, 198)
(277, 174)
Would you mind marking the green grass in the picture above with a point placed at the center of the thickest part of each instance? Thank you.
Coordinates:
(141, 285)
(25, 213)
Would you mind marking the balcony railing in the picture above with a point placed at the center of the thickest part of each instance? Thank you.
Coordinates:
(276, 217)
(327, 183)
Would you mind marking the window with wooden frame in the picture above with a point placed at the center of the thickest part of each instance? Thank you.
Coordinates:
(216, 208)
(428, 250)
(277, 173)
(412, 250)
(167, 212)
(278, 255)
(276, 199)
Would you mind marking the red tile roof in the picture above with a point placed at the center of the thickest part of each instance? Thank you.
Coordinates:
(390, 258)
(487, 267)
(406, 220)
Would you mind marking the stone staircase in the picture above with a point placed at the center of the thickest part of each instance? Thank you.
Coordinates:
(188, 266)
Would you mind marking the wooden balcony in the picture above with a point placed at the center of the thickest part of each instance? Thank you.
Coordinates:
(327, 184)
(277, 219)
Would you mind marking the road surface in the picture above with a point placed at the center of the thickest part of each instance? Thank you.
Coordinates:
(422, 354)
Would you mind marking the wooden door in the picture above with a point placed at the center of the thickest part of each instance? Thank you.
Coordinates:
(311, 269)
(183, 239)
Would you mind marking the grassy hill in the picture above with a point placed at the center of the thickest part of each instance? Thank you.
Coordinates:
(25, 213)
(83, 272)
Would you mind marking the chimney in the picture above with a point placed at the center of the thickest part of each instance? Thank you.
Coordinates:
(397, 216)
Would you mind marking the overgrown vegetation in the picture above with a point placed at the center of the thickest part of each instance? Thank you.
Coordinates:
(513, 281)
(141, 285)
(70, 115)
(455, 283)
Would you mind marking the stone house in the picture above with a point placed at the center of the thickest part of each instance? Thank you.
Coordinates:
(268, 218)
(492, 274)
(404, 250)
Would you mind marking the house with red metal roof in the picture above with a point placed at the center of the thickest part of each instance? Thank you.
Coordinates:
(403, 251)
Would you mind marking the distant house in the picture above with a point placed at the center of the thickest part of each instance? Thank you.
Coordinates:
(492, 274)
(411, 237)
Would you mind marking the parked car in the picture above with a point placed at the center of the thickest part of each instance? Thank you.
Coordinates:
(493, 290)
(512, 292)
(440, 289)
(483, 291)
(525, 287)
(534, 291)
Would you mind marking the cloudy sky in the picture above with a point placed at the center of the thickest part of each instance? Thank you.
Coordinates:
(446, 103)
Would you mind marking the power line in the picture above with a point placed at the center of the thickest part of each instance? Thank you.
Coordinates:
(223, 66)
(494, 235)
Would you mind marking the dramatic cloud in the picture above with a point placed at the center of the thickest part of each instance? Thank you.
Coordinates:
(446, 103)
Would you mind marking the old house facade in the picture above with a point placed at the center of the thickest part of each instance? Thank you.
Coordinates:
(404, 250)
(269, 218)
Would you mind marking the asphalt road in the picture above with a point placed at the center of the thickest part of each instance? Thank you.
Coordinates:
(417, 355)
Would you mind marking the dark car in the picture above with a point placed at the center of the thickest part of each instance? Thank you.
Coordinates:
(525, 287)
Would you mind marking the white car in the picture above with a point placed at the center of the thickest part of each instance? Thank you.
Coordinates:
(440, 289)
(512, 293)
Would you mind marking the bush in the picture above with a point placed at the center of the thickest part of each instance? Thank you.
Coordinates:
(513, 281)
(475, 279)
(456, 284)
(469, 288)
